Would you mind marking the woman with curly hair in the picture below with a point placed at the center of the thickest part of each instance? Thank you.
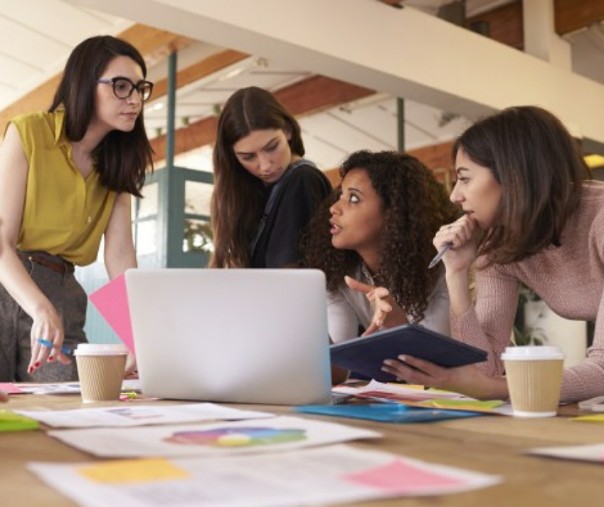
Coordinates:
(377, 232)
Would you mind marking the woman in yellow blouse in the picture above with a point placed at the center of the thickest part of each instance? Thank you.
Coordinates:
(66, 177)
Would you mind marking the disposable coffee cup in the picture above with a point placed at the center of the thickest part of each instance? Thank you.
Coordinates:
(534, 379)
(101, 370)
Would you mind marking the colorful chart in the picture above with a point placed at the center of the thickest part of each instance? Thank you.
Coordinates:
(237, 437)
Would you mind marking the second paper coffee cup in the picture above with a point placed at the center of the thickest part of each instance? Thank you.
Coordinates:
(534, 379)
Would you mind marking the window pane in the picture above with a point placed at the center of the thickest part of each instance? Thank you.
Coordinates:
(197, 197)
(197, 236)
(146, 237)
(147, 207)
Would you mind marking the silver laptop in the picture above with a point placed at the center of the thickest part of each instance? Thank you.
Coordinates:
(231, 335)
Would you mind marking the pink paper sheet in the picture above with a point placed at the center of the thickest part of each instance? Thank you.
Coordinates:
(111, 301)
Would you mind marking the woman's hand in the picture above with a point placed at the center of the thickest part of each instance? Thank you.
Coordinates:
(47, 325)
(468, 380)
(386, 312)
(463, 235)
(3, 396)
(131, 371)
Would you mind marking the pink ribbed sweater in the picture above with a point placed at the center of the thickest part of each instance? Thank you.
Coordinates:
(569, 278)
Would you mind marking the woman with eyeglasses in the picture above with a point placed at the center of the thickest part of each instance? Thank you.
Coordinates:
(66, 177)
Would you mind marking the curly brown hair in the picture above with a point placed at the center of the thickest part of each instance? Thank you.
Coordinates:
(415, 205)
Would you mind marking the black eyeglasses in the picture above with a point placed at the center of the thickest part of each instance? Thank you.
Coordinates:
(123, 87)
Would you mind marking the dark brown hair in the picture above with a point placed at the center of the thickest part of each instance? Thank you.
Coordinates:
(238, 196)
(540, 169)
(121, 158)
(415, 205)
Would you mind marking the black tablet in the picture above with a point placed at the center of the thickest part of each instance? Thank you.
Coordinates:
(365, 355)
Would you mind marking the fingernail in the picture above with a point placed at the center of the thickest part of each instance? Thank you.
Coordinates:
(402, 357)
(37, 364)
(51, 359)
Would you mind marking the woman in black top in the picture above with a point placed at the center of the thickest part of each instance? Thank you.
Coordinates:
(264, 191)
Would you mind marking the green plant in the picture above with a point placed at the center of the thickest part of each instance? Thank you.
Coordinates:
(524, 332)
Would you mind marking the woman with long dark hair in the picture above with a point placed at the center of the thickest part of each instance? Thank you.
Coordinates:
(264, 191)
(66, 177)
(531, 217)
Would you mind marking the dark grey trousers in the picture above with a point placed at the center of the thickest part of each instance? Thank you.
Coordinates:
(69, 299)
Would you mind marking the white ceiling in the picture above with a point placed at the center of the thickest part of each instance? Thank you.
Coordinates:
(36, 37)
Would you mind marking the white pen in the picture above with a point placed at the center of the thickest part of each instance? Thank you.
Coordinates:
(440, 255)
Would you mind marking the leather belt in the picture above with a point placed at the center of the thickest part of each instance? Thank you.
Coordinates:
(61, 266)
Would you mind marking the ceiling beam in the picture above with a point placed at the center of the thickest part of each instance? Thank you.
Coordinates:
(152, 43)
(452, 69)
(199, 70)
(314, 94)
(571, 15)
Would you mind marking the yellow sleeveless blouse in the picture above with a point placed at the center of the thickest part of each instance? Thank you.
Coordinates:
(64, 213)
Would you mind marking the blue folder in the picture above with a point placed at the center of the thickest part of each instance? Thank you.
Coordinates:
(386, 412)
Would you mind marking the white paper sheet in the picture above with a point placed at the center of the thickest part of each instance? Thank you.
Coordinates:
(216, 439)
(416, 396)
(304, 477)
(589, 452)
(68, 387)
(140, 415)
(411, 393)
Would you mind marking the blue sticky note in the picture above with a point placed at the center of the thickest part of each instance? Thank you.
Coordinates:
(386, 412)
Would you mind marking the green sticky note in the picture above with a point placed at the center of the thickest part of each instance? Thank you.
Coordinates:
(10, 421)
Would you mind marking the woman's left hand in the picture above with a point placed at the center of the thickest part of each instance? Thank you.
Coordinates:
(468, 380)
(131, 372)
(386, 312)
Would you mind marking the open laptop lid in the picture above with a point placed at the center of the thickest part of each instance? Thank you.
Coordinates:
(231, 335)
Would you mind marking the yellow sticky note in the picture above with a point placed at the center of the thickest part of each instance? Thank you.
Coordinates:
(597, 418)
(133, 470)
(466, 404)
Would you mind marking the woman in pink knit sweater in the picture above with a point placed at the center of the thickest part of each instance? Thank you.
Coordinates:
(530, 217)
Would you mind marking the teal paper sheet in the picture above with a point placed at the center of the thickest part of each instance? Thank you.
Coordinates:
(386, 412)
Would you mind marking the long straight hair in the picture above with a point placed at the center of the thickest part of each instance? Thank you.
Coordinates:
(238, 196)
(121, 158)
(540, 169)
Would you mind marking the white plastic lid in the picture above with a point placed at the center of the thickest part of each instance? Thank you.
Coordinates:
(531, 353)
(100, 349)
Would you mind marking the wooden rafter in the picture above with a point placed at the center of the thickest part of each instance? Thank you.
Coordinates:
(314, 94)
(571, 15)
(153, 44)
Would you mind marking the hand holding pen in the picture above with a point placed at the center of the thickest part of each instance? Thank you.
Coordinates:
(47, 343)
(461, 237)
(48, 326)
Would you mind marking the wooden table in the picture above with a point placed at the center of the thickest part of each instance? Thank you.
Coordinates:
(489, 444)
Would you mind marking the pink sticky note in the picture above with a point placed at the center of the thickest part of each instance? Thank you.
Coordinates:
(401, 477)
(111, 301)
(10, 388)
